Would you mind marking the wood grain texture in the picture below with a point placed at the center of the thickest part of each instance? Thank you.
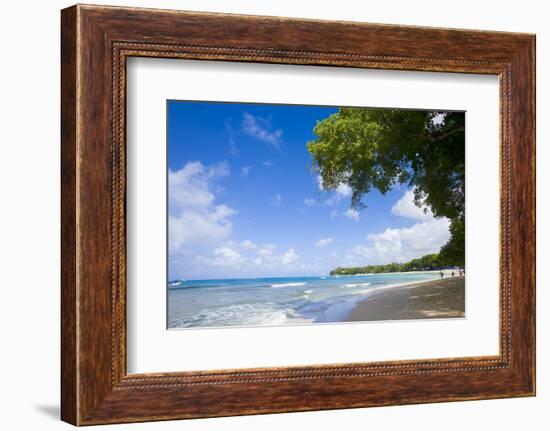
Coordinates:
(69, 397)
(96, 41)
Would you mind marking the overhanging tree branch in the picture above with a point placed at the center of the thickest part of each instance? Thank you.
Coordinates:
(443, 136)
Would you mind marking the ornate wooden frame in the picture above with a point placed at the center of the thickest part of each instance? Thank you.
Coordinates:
(95, 43)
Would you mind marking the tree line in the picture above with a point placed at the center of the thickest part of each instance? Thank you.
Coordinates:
(425, 263)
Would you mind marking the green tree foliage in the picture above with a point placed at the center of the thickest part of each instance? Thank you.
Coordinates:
(380, 148)
(425, 263)
(453, 253)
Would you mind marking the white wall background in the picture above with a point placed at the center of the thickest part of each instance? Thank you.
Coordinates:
(29, 215)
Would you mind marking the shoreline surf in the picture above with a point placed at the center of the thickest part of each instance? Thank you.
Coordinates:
(280, 301)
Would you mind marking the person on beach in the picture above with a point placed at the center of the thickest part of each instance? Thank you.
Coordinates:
(441, 274)
(452, 273)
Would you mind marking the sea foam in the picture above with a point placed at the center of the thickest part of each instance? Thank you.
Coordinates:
(348, 286)
(288, 284)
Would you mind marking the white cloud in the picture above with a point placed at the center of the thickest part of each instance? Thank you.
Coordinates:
(427, 236)
(260, 128)
(310, 202)
(401, 245)
(344, 191)
(333, 200)
(266, 250)
(277, 200)
(208, 225)
(246, 259)
(245, 170)
(267, 163)
(323, 242)
(320, 183)
(333, 214)
(233, 150)
(225, 257)
(405, 207)
(341, 192)
(248, 244)
(268, 260)
(352, 214)
(193, 215)
(289, 257)
(438, 119)
(189, 186)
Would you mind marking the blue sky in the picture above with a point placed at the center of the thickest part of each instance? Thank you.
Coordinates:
(244, 202)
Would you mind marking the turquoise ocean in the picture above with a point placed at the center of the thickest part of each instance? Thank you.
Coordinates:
(276, 301)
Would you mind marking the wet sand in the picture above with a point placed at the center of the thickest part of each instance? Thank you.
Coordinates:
(427, 300)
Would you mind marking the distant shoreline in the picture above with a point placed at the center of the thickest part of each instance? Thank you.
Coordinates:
(446, 272)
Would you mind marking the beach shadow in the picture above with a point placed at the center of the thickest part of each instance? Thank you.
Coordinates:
(52, 411)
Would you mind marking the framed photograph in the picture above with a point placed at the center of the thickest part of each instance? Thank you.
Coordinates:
(276, 243)
(266, 215)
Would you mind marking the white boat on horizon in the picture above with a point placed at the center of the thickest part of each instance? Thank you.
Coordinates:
(175, 283)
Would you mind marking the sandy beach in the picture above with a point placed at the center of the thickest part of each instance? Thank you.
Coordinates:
(431, 299)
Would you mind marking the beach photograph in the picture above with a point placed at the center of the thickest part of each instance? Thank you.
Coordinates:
(300, 215)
